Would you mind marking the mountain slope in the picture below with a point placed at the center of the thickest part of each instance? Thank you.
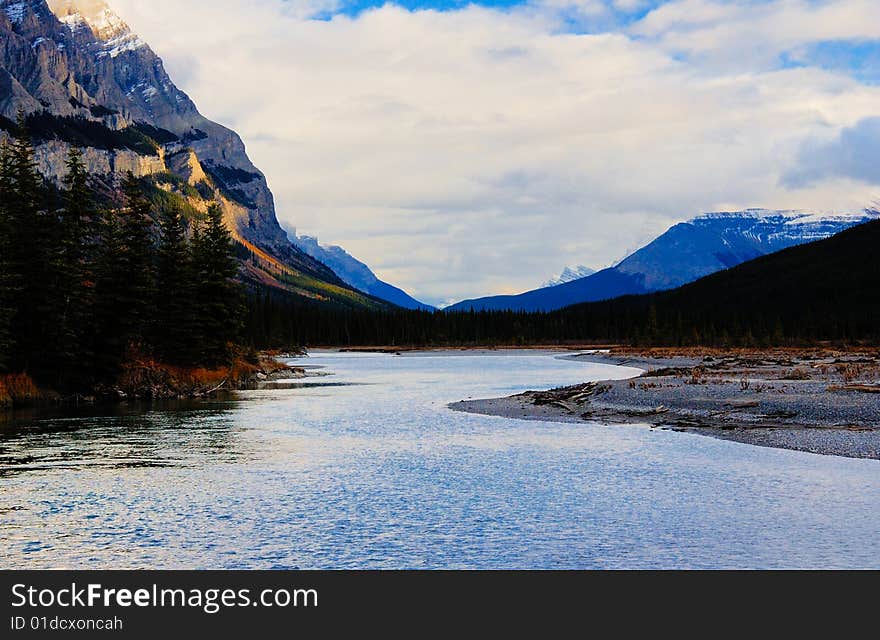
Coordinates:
(829, 289)
(686, 252)
(355, 273)
(85, 79)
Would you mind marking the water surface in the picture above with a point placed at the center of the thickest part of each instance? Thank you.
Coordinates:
(368, 468)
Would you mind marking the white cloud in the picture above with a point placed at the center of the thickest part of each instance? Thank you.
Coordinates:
(474, 151)
(743, 33)
(629, 5)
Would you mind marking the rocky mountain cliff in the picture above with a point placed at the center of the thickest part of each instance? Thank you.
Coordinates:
(84, 78)
(687, 252)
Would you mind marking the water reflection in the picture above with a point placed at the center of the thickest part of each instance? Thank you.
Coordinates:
(134, 435)
(383, 475)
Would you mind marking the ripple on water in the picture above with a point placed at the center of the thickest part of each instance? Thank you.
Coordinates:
(379, 474)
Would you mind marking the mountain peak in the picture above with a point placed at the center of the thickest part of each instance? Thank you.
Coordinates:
(570, 274)
(105, 25)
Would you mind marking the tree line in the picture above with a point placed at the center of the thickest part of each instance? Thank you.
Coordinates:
(826, 291)
(279, 322)
(86, 285)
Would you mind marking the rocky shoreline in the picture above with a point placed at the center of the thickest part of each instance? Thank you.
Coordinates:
(825, 402)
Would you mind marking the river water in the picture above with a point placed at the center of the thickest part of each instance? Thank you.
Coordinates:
(368, 468)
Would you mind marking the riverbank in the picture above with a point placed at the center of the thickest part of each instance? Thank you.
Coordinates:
(145, 379)
(820, 401)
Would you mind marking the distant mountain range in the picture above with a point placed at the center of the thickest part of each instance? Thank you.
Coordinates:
(569, 274)
(686, 252)
(824, 290)
(355, 273)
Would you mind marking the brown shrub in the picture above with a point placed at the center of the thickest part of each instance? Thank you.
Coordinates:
(17, 388)
(146, 377)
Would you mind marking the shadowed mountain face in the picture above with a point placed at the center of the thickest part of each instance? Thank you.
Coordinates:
(824, 290)
(84, 78)
(687, 252)
(356, 274)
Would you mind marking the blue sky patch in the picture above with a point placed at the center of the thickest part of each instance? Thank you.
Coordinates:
(860, 60)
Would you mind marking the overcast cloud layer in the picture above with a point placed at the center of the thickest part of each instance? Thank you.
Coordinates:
(477, 151)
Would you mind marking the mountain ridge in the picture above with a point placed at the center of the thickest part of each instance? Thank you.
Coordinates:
(569, 274)
(686, 252)
(827, 289)
(356, 273)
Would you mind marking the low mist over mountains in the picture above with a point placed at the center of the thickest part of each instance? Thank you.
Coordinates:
(83, 78)
(688, 251)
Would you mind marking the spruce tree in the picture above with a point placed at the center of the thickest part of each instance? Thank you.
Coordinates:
(174, 330)
(136, 228)
(31, 247)
(109, 336)
(73, 280)
(218, 296)
(7, 282)
(125, 279)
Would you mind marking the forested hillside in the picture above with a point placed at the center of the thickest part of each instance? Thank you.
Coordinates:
(90, 280)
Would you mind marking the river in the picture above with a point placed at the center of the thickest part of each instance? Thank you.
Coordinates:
(368, 468)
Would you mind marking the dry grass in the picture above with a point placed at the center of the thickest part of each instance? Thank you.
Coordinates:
(17, 388)
(150, 378)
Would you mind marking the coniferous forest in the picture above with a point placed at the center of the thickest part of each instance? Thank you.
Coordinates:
(87, 284)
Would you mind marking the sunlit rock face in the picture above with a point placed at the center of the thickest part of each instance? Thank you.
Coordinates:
(78, 59)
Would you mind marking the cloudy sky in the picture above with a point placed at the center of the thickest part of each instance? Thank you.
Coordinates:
(470, 149)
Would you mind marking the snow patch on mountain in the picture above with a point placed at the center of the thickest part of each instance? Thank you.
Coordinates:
(687, 252)
(113, 34)
(15, 12)
(569, 274)
(127, 42)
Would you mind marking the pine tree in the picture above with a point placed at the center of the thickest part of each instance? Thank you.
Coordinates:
(109, 315)
(174, 332)
(218, 297)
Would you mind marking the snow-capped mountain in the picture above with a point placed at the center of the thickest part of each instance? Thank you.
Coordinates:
(110, 30)
(569, 274)
(355, 273)
(715, 241)
(687, 252)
